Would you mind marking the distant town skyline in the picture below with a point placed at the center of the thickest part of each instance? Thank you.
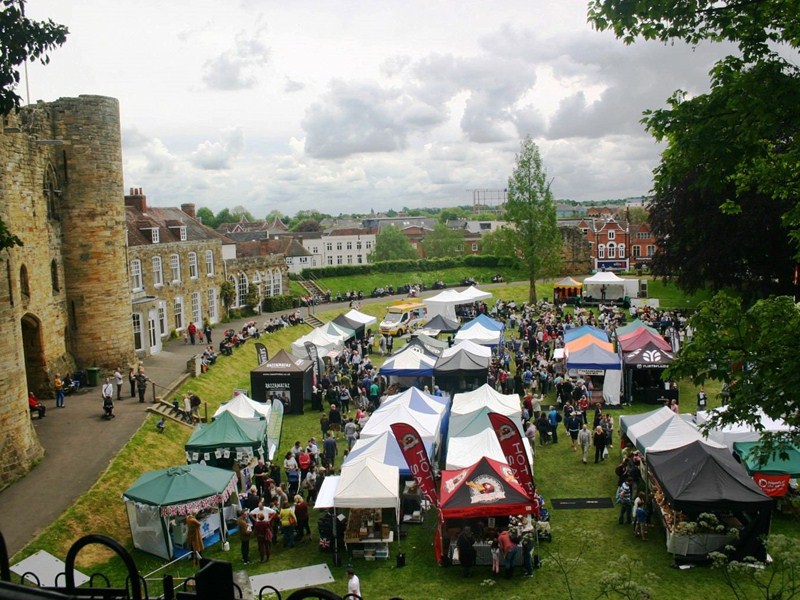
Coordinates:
(348, 107)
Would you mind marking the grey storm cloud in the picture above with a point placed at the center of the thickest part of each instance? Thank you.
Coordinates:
(237, 68)
(217, 156)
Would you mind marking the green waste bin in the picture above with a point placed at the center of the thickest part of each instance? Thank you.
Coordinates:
(93, 376)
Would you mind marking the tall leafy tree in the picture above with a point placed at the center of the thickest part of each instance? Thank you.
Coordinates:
(443, 242)
(754, 351)
(21, 39)
(500, 242)
(716, 183)
(736, 147)
(391, 244)
(532, 209)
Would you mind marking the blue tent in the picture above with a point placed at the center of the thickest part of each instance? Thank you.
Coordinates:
(594, 357)
(573, 334)
(487, 322)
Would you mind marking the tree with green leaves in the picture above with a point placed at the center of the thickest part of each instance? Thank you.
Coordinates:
(443, 242)
(206, 215)
(21, 40)
(391, 244)
(751, 579)
(736, 147)
(532, 209)
(702, 203)
(753, 351)
(501, 243)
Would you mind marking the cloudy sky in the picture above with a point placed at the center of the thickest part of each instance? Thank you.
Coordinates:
(345, 106)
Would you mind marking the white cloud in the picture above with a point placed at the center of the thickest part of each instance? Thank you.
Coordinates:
(237, 68)
(215, 156)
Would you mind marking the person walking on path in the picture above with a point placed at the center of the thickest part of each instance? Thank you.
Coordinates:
(192, 330)
(207, 332)
(585, 440)
(118, 382)
(59, 387)
(141, 383)
(599, 444)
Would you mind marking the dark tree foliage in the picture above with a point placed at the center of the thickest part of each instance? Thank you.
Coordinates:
(722, 190)
(22, 39)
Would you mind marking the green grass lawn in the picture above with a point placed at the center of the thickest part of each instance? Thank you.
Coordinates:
(586, 543)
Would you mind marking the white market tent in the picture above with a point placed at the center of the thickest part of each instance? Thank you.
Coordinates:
(473, 294)
(444, 303)
(740, 432)
(324, 342)
(369, 484)
(383, 448)
(468, 346)
(246, 408)
(615, 286)
(486, 396)
(419, 401)
(326, 492)
(478, 334)
(427, 424)
(633, 425)
(360, 317)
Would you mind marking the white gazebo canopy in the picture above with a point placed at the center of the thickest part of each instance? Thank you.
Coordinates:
(246, 408)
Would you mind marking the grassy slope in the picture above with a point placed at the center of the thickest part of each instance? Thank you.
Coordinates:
(591, 534)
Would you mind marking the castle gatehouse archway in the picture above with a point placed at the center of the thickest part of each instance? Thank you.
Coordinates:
(35, 369)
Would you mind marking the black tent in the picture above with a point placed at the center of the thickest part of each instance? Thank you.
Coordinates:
(698, 478)
(642, 369)
(443, 324)
(461, 371)
(359, 328)
(285, 378)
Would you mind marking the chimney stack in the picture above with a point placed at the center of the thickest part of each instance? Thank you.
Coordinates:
(137, 200)
(188, 208)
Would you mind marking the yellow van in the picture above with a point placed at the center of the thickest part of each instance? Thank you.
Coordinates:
(404, 317)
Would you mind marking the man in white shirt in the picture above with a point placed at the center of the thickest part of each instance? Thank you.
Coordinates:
(353, 584)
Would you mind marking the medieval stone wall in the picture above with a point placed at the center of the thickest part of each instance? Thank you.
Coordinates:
(576, 253)
(61, 191)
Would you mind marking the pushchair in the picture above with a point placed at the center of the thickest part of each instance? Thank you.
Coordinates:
(108, 408)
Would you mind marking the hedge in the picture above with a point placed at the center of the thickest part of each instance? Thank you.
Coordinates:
(277, 303)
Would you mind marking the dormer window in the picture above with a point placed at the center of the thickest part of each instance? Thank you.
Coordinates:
(183, 233)
(154, 235)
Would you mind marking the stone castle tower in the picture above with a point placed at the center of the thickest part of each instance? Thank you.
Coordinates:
(61, 305)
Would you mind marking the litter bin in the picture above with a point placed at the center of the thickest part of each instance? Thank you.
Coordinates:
(93, 376)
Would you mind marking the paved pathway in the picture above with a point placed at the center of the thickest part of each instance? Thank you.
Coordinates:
(80, 444)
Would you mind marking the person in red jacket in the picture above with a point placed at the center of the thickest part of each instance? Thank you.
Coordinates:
(35, 405)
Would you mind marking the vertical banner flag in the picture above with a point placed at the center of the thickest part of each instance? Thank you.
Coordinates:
(313, 356)
(417, 458)
(261, 353)
(513, 449)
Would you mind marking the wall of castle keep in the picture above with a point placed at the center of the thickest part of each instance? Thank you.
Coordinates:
(94, 230)
(65, 202)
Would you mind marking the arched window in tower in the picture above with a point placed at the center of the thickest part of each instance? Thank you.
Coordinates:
(242, 289)
(24, 283)
(54, 277)
(52, 193)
